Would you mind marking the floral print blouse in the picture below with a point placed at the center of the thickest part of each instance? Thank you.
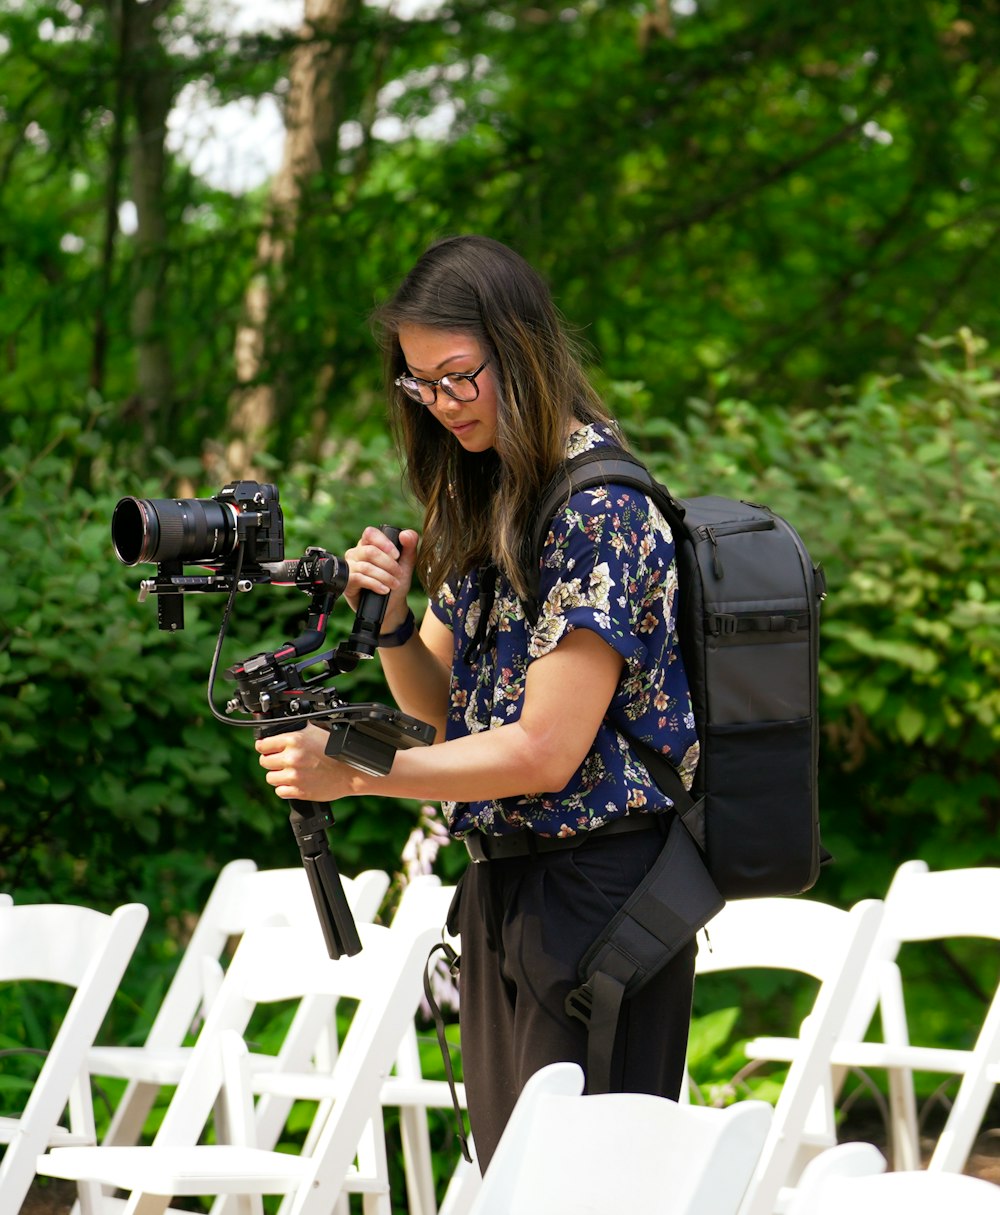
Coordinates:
(608, 566)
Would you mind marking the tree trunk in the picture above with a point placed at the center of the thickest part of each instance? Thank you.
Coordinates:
(312, 121)
(152, 99)
(118, 13)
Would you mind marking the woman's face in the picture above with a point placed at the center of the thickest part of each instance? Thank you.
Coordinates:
(433, 353)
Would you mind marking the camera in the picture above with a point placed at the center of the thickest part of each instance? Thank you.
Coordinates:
(201, 531)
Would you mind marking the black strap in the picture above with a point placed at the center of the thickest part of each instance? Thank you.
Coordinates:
(484, 636)
(602, 1029)
(452, 959)
(675, 899)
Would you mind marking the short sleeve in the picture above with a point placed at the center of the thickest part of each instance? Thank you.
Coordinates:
(605, 566)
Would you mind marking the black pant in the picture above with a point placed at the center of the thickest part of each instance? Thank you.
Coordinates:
(525, 924)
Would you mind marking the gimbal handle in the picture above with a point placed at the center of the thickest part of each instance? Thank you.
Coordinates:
(309, 821)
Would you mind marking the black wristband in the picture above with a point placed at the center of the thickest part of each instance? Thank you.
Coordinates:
(401, 635)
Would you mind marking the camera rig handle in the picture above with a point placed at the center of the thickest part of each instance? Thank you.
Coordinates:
(370, 614)
(309, 821)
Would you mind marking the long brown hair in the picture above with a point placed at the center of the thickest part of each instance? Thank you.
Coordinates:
(478, 506)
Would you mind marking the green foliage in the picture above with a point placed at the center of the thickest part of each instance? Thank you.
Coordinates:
(785, 193)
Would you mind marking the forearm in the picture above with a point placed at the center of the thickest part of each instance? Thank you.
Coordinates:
(503, 762)
(508, 761)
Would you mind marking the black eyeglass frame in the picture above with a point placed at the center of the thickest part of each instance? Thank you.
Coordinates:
(401, 382)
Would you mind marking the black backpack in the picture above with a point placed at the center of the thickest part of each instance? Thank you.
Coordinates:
(748, 623)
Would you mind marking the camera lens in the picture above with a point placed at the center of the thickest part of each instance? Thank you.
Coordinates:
(171, 529)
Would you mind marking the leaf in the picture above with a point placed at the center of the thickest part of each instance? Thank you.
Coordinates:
(910, 723)
(903, 653)
(709, 1033)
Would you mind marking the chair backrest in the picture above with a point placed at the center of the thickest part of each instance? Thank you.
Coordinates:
(242, 898)
(922, 904)
(914, 1192)
(563, 1153)
(925, 904)
(844, 1160)
(280, 964)
(274, 964)
(811, 938)
(82, 949)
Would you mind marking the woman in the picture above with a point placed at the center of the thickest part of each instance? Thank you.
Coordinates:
(533, 759)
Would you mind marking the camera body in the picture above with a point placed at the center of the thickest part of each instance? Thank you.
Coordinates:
(201, 531)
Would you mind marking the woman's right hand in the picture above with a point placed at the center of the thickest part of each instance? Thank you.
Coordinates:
(376, 564)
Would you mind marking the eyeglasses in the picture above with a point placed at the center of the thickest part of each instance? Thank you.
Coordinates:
(460, 386)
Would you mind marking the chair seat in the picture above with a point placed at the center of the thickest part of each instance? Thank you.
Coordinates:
(148, 1064)
(869, 1054)
(184, 1172)
(59, 1136)
(431, 1094)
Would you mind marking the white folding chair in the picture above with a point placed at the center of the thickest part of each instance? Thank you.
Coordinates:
(274, 964)
(980, 1078)
(920, 905)
(844, 1160)
(425, 902)
(243, 897)
(562, 1153)
(849, 1180)
(812, 939)
(85, 950)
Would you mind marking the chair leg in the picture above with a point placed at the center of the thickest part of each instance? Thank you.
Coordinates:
(130, 1114)
(955, 1144)
(373, 1161)
(89, 1198)
(146, 1204)
(905, 1136)
(418, 1161)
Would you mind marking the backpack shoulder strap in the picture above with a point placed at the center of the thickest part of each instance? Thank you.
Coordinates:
(675, 899)
(600, 466)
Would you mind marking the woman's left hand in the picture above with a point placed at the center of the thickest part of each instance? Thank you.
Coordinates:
(298, 767)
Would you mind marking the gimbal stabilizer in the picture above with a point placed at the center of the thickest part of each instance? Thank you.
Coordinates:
(271, 685)
(244, 522)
